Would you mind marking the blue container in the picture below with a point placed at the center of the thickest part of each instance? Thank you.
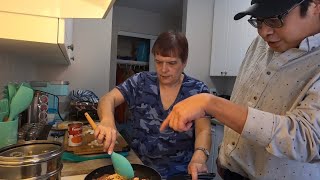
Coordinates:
(143, 51)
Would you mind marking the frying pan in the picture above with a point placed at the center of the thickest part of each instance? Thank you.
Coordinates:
(140, 171)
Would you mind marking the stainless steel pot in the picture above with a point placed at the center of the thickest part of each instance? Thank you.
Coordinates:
(31, 160)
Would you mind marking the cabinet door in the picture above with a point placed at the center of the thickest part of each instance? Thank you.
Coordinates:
(59, 8)
(230, 38)
(28, 28)
(33, 38)
(65, 40)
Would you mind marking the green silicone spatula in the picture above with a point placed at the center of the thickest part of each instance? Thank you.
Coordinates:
(11, 91)
(121, 164)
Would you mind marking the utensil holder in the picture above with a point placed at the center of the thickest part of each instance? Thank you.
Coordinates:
(8, 132)
(4, 108)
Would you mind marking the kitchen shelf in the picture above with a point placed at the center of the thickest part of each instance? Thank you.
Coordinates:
(132, 62)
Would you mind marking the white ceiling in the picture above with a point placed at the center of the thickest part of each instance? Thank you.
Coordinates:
(165, 7)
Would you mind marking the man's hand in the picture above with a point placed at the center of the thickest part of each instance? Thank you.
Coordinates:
(183, 113)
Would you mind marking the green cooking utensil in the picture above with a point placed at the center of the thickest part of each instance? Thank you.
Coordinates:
(20, 101)
(12, 90)
(120, 164)
(4, 105)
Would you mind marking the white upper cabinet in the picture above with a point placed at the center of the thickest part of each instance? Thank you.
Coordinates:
(59, 8)
(230, 38)
(38, 38)
(65, 40)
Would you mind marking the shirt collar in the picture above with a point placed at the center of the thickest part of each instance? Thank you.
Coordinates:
(310, 43)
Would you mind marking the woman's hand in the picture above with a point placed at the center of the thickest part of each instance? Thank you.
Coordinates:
(183, 113)
(107, 134)
(195, 167)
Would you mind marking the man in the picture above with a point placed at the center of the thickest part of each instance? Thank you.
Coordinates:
(150, 97)
(272, 123)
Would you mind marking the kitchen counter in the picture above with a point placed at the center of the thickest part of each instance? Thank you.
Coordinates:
(85, 167)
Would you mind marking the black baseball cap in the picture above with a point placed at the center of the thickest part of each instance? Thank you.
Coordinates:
(267, 8)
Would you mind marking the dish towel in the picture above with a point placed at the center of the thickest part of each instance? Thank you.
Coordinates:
(81, 95)
(67, 156)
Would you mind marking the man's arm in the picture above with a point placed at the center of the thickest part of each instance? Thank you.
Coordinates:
(228, 113)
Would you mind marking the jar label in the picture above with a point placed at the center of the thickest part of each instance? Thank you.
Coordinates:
(75, 134)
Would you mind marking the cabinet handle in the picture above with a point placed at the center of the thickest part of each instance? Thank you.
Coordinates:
(224, 73)
(72, 58)
(70, 47)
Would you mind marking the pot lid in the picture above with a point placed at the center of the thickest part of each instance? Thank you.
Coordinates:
(30, 152)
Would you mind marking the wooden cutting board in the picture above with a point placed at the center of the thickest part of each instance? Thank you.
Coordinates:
(85, 148)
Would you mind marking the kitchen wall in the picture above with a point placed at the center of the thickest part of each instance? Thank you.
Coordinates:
(144, 22)
(92, 50)
(90, 70)
(15, 69)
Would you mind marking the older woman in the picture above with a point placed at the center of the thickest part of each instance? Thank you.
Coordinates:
(150, 97)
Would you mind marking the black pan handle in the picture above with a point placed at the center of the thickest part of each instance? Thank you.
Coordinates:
(203, 176)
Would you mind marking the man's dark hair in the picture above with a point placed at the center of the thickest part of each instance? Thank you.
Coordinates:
(171, 44)
(304, 7)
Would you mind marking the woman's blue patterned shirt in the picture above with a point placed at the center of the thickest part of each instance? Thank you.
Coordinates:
(168, 152)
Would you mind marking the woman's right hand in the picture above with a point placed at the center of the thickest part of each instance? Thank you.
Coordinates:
(106, 133)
